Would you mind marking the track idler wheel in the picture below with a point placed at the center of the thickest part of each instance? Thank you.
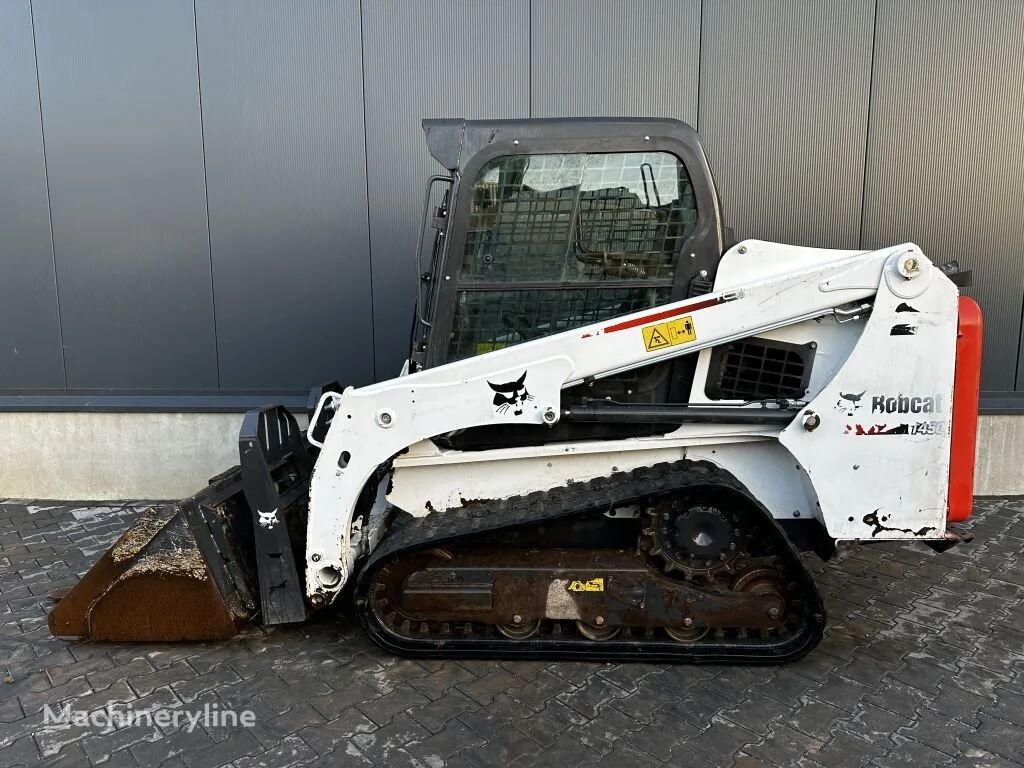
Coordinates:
(764, 581)
(687, 634)
(522, 631)
(595, 632)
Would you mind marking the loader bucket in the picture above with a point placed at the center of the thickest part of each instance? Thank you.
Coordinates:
(202, 568)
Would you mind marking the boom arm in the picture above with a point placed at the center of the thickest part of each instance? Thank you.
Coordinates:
(522, 384)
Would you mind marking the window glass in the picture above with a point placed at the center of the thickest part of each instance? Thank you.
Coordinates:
(489, 320)
(578, 217)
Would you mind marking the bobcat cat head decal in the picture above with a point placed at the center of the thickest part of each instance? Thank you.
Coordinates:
(511, 394)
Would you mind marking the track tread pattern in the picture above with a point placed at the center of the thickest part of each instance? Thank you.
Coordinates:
(577, 498)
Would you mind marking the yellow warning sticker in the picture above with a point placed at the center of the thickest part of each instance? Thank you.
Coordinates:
(669, 334)
(590, 585)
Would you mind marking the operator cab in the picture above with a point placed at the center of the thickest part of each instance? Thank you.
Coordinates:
(552, 224)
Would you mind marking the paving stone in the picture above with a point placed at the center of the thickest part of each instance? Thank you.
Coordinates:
(898, 697)
(547, 726)
(401, 699)
(629, 676)
(717, 743)
(21, 752)
(578, 672)
(648, 698)
(501, 749)
(176, 672)
(661, 737)
(495, 681)
(1009, 706)
(782, 746)
(158, 751)
(496, 718)
(330, 705)
(438, 748)
(239, 744)
(100, 747)
(876, 724)
(841, 692)
(104, 678)
(270, 731)
(997, 736)
(60, 675)
(814, 718)
(954, 702)
(936, 731)
(379, 744)
(544, 687)
(326, 737)
(907, 752)
(845, 750)
(293, 751)
(565, 752)
(602, 733)
(592, 696)
(441, 680)
(434, 715)
(625, 755)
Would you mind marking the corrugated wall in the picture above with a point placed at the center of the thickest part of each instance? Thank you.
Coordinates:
(784, 91)
(615, 58)
(946, 153)
(221, 197)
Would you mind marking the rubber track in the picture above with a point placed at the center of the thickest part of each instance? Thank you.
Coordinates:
(466, 523)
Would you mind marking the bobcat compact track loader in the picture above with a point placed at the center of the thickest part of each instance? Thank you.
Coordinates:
(614, 435)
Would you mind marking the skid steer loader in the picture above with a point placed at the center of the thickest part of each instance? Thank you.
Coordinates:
(615, 434)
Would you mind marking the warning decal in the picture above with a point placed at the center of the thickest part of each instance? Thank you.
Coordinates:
(664, 335)
(590, 585)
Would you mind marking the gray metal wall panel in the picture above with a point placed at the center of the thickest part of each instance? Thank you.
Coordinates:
(615, 58)
(120, 104)
(945, 158)
(286, 174)
(30, 349)
(426, 59)
(783, 115)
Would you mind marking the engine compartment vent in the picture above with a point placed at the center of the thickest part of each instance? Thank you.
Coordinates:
(759, 369)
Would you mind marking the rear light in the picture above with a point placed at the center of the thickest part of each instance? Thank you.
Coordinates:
(964, 420)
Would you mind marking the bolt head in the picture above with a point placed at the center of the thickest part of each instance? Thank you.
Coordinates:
(517, 619)
(599, 620)
(774, 613)
(687, 622)
(910, 267)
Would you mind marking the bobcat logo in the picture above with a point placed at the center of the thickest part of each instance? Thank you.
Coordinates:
(849, 402)
(268, 519)
(512, 395)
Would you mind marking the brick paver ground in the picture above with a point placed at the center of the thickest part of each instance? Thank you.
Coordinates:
(922, 664)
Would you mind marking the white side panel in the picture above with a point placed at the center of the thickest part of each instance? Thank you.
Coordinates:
(425, 480)
(879, 461)
(770, 473)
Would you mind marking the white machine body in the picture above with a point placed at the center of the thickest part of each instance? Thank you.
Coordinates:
(866, 454)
